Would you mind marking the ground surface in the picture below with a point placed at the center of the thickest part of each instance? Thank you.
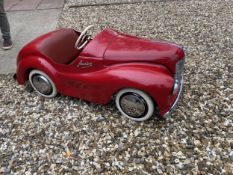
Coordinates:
(65, 135)
(28, 19)
(26, 5)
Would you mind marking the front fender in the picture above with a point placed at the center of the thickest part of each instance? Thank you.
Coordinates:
(99, 86)
(155, 80)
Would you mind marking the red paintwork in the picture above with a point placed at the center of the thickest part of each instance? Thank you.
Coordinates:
(134, 49)
(118, 61)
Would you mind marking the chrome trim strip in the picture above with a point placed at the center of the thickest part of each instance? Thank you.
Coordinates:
(167, 114)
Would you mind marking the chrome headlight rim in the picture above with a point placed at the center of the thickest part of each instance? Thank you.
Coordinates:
(178, 76)
(176, 86)
(179, 69)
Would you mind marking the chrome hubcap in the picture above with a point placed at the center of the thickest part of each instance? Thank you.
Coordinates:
(133, 105)
(42, 84)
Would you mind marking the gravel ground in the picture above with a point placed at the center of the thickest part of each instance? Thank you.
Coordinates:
(83, 3)
(66, 135)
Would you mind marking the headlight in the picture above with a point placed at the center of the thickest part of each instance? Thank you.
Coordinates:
(178, 75)
(179, 69)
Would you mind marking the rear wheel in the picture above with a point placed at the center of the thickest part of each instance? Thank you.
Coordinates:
(135, 104)
(42, 84)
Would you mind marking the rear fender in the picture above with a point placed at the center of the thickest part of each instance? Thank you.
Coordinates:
(27, 64)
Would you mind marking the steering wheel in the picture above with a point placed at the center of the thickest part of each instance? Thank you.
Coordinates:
(83, 38)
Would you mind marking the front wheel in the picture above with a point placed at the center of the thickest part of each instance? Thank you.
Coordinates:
(42, 84)
(135, 104)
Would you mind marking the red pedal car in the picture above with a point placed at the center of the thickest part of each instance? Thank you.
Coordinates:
(143, 76)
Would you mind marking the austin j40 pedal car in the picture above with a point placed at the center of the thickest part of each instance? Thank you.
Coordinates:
(141, 75)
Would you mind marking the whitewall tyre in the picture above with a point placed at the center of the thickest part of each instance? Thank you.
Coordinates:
(42, 84)
(135, 104)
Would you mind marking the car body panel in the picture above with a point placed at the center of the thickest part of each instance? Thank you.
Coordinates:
(97, 46)
(98, 72)
(57, 48)
(126, 48)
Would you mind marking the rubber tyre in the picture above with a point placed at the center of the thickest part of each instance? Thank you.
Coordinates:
(38, 72)
(146, 98)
